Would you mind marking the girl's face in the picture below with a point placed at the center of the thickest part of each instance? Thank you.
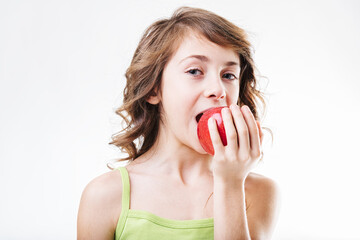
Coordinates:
(200, 75)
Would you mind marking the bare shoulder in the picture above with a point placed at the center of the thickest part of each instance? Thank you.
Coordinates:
(106, 187)
(258, 185)
(263, 205)
(100, 207)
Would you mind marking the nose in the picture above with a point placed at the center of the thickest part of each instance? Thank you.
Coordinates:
(215, 89)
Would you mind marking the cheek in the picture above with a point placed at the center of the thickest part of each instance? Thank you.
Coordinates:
(181, 93)
(233, 93)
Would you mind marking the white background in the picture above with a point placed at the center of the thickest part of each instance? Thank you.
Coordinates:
(62, 66)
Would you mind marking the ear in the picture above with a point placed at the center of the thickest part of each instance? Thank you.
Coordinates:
(153, 98)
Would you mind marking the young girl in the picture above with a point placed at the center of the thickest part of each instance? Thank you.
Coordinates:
(171, 188)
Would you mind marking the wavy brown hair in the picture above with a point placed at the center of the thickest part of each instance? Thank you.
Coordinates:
(158, 43)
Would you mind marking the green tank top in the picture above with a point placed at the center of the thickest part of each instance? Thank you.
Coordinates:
(139, 224)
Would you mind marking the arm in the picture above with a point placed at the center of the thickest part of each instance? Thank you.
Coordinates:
(99, 208)
(264, 207)
(230, 221)
(235, 218)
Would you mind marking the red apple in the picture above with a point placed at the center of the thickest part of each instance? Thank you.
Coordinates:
(203, 130)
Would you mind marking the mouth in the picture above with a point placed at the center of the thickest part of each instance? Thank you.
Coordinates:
(202, 113)
(198, 117)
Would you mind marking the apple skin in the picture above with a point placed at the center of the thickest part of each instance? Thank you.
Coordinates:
(203, 130)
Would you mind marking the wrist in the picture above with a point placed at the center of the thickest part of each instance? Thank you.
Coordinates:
(227, 182)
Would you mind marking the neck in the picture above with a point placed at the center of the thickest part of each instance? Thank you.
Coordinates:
(171, 158)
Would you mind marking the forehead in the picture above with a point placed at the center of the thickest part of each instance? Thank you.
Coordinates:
(195, 44)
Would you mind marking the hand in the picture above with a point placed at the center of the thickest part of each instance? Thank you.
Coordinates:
(244, 140)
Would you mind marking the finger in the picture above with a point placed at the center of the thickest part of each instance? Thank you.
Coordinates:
(242, 129)
(261, 133)
(214, 135)
(230, 130)
(253, 129)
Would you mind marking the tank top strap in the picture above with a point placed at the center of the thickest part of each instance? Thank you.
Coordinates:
(126, 188)
(125, 201)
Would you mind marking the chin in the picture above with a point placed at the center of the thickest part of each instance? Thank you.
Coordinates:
(200, 150)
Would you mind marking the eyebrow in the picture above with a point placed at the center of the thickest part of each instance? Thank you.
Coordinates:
(206, 59)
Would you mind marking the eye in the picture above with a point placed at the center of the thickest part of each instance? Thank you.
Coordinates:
(229, 76)
(194, 71)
